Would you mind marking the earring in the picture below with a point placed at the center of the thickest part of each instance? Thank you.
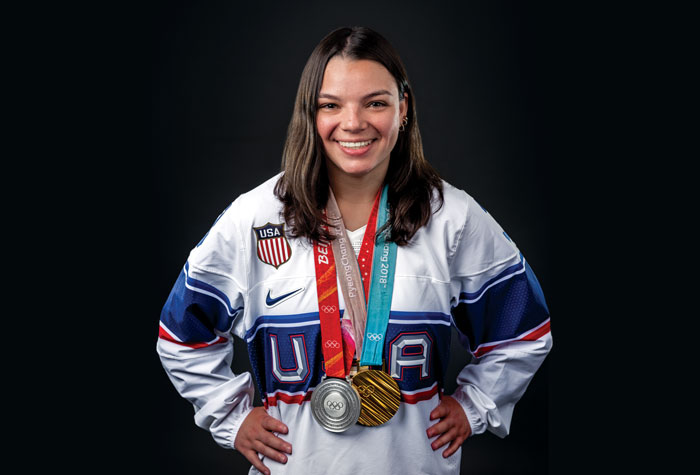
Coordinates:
(404, 122)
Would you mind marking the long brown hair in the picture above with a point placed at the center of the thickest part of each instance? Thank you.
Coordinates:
(303, 188)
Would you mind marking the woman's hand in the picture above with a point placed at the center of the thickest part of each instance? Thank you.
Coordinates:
(453, 426)
(256, 437)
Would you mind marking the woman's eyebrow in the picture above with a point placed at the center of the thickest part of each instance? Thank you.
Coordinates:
(381, 92)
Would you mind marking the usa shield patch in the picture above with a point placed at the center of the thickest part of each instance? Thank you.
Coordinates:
(273, 247)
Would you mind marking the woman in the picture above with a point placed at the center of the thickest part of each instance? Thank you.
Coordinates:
(349, 352)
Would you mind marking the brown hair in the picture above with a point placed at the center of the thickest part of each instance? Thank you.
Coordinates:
(303, 188)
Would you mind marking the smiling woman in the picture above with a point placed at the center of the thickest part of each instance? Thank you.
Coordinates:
(358, 120)
(352, 380)
(354, 89)
(359, 113)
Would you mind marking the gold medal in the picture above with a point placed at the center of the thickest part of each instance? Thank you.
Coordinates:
(379, 394)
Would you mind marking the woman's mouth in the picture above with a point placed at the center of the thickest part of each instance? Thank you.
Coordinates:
(355, 147)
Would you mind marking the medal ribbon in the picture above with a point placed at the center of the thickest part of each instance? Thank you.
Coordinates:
(367, 248)
(355, 293)
(378, 284)
(328, 311)
(380, 291)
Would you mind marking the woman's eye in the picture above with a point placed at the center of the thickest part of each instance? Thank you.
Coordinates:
(328, 105)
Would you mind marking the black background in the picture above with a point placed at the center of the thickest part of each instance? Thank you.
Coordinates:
(518, 104)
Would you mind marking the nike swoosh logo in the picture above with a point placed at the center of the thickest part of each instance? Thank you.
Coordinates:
(271, 302)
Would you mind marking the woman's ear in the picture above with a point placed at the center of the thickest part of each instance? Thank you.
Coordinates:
(403, 106)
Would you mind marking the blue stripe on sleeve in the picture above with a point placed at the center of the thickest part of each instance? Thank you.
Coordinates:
(536, 287)
(469, 296)
(505, 310)
(195, 309)
(205, 288)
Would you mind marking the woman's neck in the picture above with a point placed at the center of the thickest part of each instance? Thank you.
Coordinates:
(355, 197)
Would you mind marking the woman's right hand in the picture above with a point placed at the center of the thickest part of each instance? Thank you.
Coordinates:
(255, 436)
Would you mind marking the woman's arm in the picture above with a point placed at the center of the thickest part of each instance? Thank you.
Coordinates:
(500, 311)
(196, 348)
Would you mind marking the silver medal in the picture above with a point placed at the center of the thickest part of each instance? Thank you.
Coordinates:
(335, 404)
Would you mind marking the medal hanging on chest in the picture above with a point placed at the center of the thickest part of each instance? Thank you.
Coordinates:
(363, 331)
(335, 404)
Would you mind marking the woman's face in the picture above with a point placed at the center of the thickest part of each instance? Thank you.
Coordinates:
(358, 119)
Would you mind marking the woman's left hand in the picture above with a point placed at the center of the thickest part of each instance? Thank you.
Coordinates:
(453, 426)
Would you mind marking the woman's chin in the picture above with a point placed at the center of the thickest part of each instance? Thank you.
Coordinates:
(356, 170)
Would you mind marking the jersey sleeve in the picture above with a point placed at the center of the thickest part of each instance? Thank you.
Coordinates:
(195, 343)
(500, 312)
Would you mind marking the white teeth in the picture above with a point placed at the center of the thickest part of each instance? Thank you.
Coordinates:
(355, 144)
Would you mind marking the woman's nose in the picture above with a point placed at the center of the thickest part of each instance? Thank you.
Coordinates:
(353, 119)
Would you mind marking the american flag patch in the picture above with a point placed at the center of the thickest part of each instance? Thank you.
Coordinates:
(273, 247)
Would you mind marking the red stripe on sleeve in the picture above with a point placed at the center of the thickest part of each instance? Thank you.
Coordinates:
(166, 336)
(535, 334)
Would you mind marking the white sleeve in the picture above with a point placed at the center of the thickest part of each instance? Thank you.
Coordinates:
(500, 312)
(195, 342)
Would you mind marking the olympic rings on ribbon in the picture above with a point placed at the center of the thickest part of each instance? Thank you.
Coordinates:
(328, 308)
(335, 405)
(374, 337)
(332, 344)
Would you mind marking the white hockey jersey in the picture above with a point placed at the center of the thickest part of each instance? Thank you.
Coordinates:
(246, 277)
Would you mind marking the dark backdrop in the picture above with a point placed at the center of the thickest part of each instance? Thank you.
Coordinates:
(497, 88)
